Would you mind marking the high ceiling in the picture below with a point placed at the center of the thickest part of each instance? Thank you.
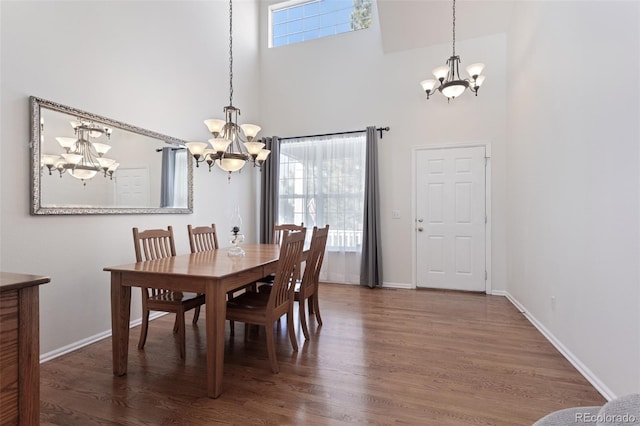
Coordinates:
(410, 24)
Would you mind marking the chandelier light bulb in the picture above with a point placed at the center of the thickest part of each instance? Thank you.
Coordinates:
(101, 148)
(263, 154)
(441, 72)
(197, 148)
(475, 70)
(105, 163)
(72, 158)
(50, 159)
(214, 125)
(454, 90)
(82, 174)
(219, 144)
(254, 147)
(230, 164)
(428, 85)
(250, 130)
(66, 143)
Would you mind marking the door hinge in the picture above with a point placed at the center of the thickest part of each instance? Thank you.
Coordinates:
(486, 160)
(486, 275)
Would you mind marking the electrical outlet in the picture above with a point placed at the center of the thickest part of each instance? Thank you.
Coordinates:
(395, 214)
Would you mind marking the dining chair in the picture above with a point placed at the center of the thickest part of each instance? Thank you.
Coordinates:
(306, 289)
(276, 238)
(157, 244)
(265, 309)
(205, 238)
(202, 238)
(278, 230)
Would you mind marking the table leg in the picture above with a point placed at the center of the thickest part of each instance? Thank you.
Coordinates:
(216, 305)
(120, 313)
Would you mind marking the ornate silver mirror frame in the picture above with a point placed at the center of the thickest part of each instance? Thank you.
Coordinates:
(146, 146)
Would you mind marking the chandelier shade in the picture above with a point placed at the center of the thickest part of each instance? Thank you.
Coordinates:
(448, 80)
(232, 145)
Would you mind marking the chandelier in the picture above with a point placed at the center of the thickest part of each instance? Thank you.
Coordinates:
(83, 157)
(232, 144)
(451, 85)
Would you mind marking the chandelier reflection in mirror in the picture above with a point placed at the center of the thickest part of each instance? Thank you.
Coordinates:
(83, 157)
(232, 144)
(451, 85)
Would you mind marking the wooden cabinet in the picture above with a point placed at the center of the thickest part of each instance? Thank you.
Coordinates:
(19, 349)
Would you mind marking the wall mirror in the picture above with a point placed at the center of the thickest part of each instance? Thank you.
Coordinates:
(82, 163)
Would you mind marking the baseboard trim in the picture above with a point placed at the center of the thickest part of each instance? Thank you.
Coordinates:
(406, 286)
(91, 339)
(569, 356)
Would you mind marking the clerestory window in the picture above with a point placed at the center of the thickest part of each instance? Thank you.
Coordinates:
(295, 21)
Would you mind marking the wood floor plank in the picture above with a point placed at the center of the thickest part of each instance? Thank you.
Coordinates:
(382, 356)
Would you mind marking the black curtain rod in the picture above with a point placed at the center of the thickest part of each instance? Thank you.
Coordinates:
(175, 149)
(378, 129)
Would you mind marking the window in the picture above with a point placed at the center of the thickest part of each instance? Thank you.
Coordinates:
(300, 20)
(322, 182)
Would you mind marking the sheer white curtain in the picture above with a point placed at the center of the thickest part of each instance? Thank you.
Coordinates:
(322, 182)
(180, 183)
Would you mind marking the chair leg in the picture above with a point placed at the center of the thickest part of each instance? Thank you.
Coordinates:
(310, 302)
(181, 336)
(292, 333)
(271, 348)
(143, 329)
(196, 315)
(316, 308)
(303, 318)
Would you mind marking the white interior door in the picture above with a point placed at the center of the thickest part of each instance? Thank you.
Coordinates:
(132, 187)
(451, 218)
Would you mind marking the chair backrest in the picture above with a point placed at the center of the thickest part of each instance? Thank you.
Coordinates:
(314, 258)
(154, 244)
(202, 238)
(289, 259)
(278, 230)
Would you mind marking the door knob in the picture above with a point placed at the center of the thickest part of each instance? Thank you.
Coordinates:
(420, 229)
(420, 220)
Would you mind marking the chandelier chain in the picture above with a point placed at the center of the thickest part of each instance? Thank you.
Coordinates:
(454, 27)
(230, 53)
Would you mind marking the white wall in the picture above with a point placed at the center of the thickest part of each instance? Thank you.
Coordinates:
(573, 180)
(346, 82)
(162, 66)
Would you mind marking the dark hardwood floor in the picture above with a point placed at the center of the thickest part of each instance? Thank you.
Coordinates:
(382, 356)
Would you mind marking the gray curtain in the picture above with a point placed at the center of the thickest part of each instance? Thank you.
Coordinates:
(269, 190)
(371, 265)
(167, 177)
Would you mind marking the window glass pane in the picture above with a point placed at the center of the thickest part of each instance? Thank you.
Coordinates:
(279, 30)
(279, 16)
(322, 182)
(295, 13)
(295, 38)
(310, 35)
(311, 9)
(318, 18)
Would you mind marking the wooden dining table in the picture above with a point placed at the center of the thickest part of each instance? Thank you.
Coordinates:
(213, 273)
